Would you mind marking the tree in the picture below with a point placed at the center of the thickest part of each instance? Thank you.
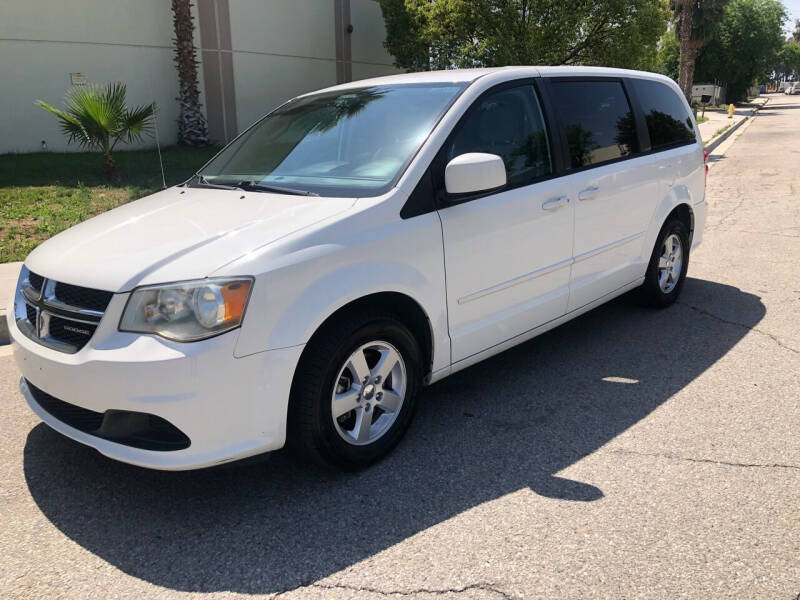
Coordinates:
(192, 124)
(97, 118)
(788, 61)
(696, 22)
(446, 34)
(796, 32)
(669, 53)
(746, 48)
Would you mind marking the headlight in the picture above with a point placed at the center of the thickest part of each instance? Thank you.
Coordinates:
(188, 311)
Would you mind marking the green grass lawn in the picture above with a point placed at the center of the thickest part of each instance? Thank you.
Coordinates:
(44, 193)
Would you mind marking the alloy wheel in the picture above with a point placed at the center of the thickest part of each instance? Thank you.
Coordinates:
(369, 393)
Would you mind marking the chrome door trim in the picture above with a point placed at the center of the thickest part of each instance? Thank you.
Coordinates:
(515, 281)
(607, 247)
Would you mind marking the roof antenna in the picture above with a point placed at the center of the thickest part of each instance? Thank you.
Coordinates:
(158, 147)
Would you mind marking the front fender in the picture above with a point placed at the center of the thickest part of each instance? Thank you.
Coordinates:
(296, 291)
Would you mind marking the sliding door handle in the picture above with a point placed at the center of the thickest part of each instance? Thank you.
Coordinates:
(589, 193)
(555, 203)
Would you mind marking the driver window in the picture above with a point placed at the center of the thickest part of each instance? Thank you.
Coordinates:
(507, 123)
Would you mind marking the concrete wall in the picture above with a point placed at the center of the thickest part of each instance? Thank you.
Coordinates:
(282, 48)
(43, 41)
(369, 57)
(255, 54)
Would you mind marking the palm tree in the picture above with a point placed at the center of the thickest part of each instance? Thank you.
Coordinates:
(97, 118)
(192, 125)
(696, 21)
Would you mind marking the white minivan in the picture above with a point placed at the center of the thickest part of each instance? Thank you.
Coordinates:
(352, 246)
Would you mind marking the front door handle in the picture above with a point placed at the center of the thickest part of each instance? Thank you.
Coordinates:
(555, 203)
(589, 193)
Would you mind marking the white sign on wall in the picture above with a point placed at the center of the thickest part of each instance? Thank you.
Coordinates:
(78, 79)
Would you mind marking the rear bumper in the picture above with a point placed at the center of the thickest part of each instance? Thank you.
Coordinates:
(700, 213)
(229, 408)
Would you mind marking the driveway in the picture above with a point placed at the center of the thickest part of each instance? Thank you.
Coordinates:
(628, 454)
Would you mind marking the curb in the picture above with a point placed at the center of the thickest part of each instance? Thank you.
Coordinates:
(9, 273)
(4, 337)
(710, 147)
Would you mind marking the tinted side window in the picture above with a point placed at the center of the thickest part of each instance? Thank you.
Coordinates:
(668, 121)
(598, 120)
(508, 123)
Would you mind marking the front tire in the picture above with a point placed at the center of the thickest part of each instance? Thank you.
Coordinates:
(667, 268)
(354, 393)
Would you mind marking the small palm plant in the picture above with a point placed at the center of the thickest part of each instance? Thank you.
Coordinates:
(97, 118)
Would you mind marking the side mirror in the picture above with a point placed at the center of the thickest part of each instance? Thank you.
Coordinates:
(474, 172)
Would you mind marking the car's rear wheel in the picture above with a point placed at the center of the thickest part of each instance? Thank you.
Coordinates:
(666, 270)
(354, 393)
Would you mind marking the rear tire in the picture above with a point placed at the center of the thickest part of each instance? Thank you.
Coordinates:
(354, 392)
(667, 268)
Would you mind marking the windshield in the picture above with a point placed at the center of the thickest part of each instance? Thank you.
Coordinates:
(347, 143)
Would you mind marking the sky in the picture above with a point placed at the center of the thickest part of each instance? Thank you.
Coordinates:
(793, 8)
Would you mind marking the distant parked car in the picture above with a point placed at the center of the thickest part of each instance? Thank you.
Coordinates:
(793, 89)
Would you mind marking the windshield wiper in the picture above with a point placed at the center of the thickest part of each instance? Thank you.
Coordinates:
(260, 187)
(206, 183)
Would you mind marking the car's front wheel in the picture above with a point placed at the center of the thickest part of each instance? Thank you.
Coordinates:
(354, 392)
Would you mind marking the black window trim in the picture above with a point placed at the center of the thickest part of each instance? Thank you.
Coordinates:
(642, 125)
(432, 181)
(429, 194)
(563, 132)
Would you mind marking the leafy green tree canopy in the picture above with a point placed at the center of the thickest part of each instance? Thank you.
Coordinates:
(442, 34)
(669, 54)
(745, 50)
(788, 64)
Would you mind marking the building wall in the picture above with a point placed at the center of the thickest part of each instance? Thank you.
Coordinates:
(43, 41)
(282, 48)
(254, 54)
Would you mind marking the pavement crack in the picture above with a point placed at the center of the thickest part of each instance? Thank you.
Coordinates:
(729, 214)
(767, 233)
(483, 587)
(771, 336)
(722, 463)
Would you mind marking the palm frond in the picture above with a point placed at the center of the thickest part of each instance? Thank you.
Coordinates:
(97, 117)
(70, 125)
(138, 122)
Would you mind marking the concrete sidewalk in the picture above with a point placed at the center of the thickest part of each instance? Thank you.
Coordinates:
(718, 120)
(9, 273)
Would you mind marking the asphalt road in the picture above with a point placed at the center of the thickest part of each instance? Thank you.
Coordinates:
(628, 454)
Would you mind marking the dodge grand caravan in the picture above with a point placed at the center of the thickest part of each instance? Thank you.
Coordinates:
(352, 246)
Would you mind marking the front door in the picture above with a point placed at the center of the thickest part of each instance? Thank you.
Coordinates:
(508, 253)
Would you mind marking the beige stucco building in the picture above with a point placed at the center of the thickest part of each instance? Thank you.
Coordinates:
(254, 55)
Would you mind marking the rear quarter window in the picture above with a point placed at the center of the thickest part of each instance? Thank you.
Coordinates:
(668, 121)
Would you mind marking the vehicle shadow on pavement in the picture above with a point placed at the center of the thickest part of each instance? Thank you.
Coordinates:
(509, 423)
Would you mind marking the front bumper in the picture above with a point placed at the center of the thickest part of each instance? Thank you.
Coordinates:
(229, 408)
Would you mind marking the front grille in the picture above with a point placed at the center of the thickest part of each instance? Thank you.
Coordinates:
(71, 332)
(59, 315)
(135, 429)
(36, 281)
(30, 313)
(87, 298)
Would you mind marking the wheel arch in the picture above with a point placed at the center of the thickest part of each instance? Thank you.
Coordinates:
(404, 307)
(678, 203)
(684, 212)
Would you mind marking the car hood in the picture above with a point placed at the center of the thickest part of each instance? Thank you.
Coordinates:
(180, 233)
